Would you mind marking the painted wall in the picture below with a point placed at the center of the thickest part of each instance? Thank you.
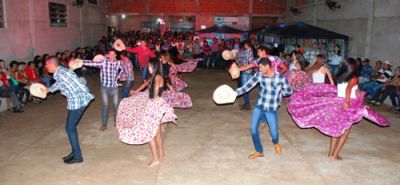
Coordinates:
(380, 42)
(28, 30)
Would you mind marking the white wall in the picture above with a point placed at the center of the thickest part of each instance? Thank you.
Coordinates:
(352, 20)
(28, 30)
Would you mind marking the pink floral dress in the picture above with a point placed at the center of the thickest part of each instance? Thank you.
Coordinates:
(318, 106)
(298, 79)
(139, 117)
(177, 83)
(177, 99)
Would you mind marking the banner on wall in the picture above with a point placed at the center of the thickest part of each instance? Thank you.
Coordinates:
(241, 23)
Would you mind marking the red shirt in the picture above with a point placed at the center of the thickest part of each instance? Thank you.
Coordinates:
(143, 55)
(4, 79)
(32, 74)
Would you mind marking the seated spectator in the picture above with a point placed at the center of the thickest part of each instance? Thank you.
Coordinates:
(3, 67)
(373, 87)
(43, 74)
(6, 91)
(366, 72)
(23, 82)
(32, 73)
(390, 88)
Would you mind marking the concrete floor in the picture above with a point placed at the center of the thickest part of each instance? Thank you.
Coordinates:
(209, 146)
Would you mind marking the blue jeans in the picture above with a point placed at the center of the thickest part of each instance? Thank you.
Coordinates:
(372, 88)
(244, 77)
(143, 72)
(391, 92)
(106, 93)
(70, 127)
(272, 118)
(126, 88)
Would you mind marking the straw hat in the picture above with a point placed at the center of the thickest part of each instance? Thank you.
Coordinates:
(98, 58)
(234, 71)
(224, 94)
(38, 90)
(119, 45)
(227, 55)
(234, 53)
(75, 64)
(387, 62)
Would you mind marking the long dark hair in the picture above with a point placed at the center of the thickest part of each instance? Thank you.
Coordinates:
(348, 70)
(339, 52)
(155, 64)
(165, 68)
(317, 65)
(300, 58)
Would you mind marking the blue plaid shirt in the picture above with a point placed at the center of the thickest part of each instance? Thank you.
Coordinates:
(245, 57)
(366, 71)
(109, 71)
(271, 90)
(71, 87)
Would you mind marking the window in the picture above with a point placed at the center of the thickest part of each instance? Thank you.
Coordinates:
(92, 1)
(2, 14)
(58, 15)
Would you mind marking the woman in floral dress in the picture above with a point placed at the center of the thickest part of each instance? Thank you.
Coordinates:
(140, 116)
(319, 106)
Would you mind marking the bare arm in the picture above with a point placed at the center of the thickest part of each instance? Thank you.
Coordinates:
(328, 72)
(353, 82)
(144, 85)
(159, 83)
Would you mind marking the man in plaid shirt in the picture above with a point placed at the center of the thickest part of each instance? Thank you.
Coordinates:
(127, 77)
(272, 87)
(245, 57)
(110, 71)
(78, 98)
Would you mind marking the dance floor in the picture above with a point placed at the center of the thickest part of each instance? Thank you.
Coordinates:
(209, 145)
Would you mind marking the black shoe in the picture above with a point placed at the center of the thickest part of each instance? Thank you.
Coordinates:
(17, 110)
(73, 160)
(68, 156)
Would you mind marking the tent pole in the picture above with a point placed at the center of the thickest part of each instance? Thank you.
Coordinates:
(315, 12)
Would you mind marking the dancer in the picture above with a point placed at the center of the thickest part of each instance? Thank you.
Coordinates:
(319, 106)
(296, 76)
(110, 71)
(78, 98)
(272, 87)
(143, 55)
(170, 95)
(127, 77)
(318, 71)
(140, 116)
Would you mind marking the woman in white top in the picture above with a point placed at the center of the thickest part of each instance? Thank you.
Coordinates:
(318, 71)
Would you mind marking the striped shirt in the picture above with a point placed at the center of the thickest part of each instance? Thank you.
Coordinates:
(109, 71)
(71, 87)
(128, 74)
(271, 90)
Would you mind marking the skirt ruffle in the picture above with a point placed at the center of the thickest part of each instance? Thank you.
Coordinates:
(139, 117)
(318, 106)
(177, 99)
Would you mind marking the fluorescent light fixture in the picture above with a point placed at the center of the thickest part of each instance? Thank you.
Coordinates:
(123, 16)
